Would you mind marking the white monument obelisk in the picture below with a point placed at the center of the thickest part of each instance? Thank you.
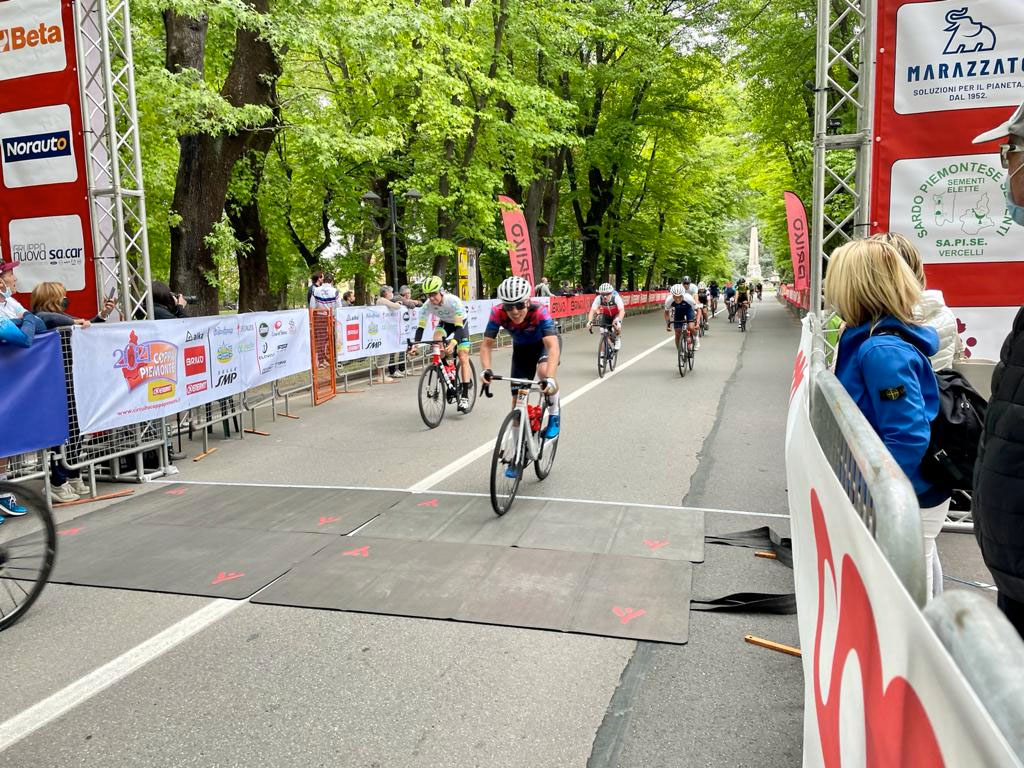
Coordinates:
(754, 263)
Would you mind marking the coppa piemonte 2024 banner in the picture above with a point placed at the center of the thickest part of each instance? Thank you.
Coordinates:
(44, 196)
(947, 72)
(134, 371)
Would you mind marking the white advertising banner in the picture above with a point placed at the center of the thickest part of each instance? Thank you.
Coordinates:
(134, 371)
(956, 55)
(954, 209)
(879, 688)
(31, 38)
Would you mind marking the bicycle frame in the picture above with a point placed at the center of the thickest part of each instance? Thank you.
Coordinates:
(525, 436)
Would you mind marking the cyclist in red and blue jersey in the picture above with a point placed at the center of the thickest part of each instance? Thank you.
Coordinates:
(534, 342)
(610, 310)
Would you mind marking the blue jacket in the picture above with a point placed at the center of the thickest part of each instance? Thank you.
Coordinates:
(892, 382)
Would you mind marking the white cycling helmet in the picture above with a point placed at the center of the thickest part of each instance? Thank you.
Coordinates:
(514, 290)
(606, 288)
(677, 289)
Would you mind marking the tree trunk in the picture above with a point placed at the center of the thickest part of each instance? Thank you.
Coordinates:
(206, 161)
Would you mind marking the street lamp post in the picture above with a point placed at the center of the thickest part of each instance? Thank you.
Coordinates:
(372, 198)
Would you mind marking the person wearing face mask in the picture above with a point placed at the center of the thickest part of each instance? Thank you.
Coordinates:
(998, 502)
(11, 308)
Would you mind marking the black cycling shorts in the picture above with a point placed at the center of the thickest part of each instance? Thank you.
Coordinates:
(459, 332)
(525, 359)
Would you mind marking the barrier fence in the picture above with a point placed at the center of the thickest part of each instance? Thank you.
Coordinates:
(191, 375)
(885, 683)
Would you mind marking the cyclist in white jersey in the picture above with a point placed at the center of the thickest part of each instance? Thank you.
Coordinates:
(451, 319)
(691, 290)
(608, 305)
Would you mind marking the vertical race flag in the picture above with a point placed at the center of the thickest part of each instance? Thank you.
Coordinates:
(945, 73)
(44, 205)
(518, 235)
(796, 223)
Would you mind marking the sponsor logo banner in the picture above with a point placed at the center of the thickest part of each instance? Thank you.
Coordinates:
(31, 38)
(36, 147)
(50, 249)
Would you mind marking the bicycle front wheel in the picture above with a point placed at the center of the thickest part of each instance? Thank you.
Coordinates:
(681, 356)
(602, 355)
(504, 464)
(27, 554)
(432, 396)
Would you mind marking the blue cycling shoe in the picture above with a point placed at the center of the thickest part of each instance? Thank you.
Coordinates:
(10, 507)
(511, 471)
(553, 427)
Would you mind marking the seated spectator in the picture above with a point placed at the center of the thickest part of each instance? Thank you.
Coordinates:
(11, 308)
(998, 504)
(166, 305)
(50, 301)
(883, 362)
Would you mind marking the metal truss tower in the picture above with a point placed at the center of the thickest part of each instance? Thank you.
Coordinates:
(843, 92)
(116, 191)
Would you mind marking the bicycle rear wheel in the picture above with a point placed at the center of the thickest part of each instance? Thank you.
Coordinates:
(690, 353)
(432, 396)
(542, 466)
(28, 548)
(472, 387)
(503, 487)
(613, 356)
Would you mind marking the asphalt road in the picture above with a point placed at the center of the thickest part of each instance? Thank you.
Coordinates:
(97, 677)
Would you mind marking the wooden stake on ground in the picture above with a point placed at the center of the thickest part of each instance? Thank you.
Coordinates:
(204, 454)
(101, 497)
(256, 432)
(772, 646)
(767, 555)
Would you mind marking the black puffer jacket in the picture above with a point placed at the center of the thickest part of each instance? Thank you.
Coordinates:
(999, 474)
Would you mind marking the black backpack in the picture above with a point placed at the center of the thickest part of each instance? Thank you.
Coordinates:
(956, 429)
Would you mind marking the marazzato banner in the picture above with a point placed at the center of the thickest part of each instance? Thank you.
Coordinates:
(134, 371)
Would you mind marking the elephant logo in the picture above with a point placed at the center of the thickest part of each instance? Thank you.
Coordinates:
(967, 35)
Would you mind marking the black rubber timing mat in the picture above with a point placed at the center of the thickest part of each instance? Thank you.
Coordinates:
(638, 598)
(571, 526)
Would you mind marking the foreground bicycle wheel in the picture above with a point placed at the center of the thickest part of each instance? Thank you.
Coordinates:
(503, 488)
(28, 548)
(548, 448)
(432, 396)
(681, 355)
(602, 355)
(690, 353)
(613, 356)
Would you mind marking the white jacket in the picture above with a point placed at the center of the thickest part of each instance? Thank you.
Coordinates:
(932, 311)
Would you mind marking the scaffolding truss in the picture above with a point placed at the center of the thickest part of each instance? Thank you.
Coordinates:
(840, 209)
(116, 190)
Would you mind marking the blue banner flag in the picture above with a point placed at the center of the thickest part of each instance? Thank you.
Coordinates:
(33, 399)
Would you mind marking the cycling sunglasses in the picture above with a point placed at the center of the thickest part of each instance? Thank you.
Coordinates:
(517, 305)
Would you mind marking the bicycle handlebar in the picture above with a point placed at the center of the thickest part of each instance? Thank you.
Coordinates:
(485, 388)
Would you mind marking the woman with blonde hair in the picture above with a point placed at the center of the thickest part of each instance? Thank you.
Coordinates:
(931, 309)
(883, 361)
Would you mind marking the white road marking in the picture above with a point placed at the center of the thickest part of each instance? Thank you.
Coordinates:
(52, 707)
(482, 450)
(479, 495)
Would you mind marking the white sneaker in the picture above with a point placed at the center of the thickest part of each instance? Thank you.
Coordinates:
(399, 374)
(79, 486)
(64, 493)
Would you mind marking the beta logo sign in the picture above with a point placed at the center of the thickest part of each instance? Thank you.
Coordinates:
(36, 146)
(50, 249)
(31, 38)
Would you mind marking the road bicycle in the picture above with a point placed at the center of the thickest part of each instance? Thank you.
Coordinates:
(28, 549)
(714, 306)
(731, 304)
(685, 351)
(704, 321)
(743, 316)
(440, 382)
(520, 442)
(607, 355)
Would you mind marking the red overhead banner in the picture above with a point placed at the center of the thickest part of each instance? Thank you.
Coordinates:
(516, 232)
(945, 73)
(796, 223)
(44, 194)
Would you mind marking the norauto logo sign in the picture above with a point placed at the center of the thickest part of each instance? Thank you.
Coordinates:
(16, 38)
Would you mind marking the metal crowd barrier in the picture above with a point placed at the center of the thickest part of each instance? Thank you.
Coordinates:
(872, 479)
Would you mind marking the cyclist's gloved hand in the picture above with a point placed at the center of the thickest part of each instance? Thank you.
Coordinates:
(487, 375)
(549, 386)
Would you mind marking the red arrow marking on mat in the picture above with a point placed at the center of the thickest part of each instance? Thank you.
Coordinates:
(431, 503)
(68, 532)
(626, 615)
(175, 491)
(226, 576)
(360, 552)
(655, 545)
(326, 520)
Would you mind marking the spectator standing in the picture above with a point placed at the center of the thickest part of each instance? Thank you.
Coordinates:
(324, 295)
(348, 299)
(387, 301)
(166, 305)
(543, 287)
(998, 503)
(315, 281)
(406, 299)
(883, 361)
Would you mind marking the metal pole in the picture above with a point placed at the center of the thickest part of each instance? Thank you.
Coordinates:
(865, 121)
(393, 216)
(820, 116)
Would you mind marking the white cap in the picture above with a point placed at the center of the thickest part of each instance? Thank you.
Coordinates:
(1014, 125)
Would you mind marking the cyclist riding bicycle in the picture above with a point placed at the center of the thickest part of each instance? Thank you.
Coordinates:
(451, 320)
(691, 290)
(743, 294)
(713, 291)
(680, 308)
(730, 299)
(702, 297)
(534, 342)
(608, 305)
(758, 288)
